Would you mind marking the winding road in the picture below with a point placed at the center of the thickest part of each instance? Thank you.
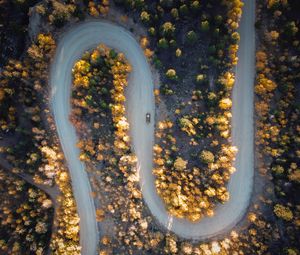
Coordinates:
(140, 99)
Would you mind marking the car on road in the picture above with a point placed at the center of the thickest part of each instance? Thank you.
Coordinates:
(148, 117)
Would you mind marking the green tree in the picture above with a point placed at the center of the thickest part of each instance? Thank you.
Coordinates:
(195, 6)
(174, 13)
(152, 31)
(204, 26)
(166, 3)
(183, 10)
(218, 19)
(167, 29)
(171, 74)
(172, 43)
(235, 37)
(291, 29)
(163, 43)
(145, 17)
(178, 53)
(191, 37)
(200, 78)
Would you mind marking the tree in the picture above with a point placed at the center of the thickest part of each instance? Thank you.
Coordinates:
(177, 53)
(283, 212)
(235, 37)
(204, 26)
(291, 29)
(200, 78)
(207, 157)
(180, 164)
(2, 94)
(227, 80)
(152, 31)
(225, 103)
(264, 85)
(163, 43)
(218, 19)
(183, 10)
(167, 29)
(172, 43)
(174, 13)
(166, 3)
(145, 17)
(195, 6)
(187, 126)
(61, 13)
(261, 60)
(171, 74)
(191, 37)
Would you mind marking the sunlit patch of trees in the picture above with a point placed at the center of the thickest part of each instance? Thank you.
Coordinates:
(93, 94)
(26, 215)
(58, 13)
(98, 114)
(277, 110)
(277, 126)
(35, 148)
(185, 172)
(97, 7)
(191, 190)
(100, 78)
